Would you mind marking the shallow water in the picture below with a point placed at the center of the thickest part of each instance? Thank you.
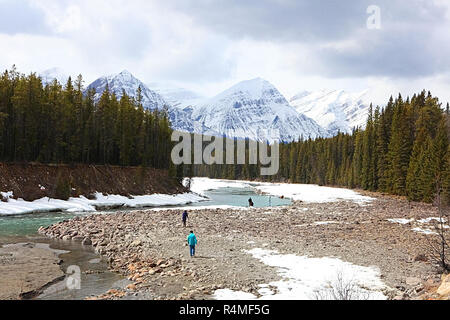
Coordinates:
(95, 279)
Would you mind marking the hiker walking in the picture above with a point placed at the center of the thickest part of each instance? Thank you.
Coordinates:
(185, 217)
(192, 242)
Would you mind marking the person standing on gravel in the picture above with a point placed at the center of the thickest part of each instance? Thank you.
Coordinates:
(192, 242)
(185, 217)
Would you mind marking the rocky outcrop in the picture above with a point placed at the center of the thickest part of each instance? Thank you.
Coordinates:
(438, 291)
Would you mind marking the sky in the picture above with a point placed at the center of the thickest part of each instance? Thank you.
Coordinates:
(386, 46)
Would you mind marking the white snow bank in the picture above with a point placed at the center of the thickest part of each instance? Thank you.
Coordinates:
(305, 278)
(312, 193)
(200, 185)
(82, 204)
(298, 192)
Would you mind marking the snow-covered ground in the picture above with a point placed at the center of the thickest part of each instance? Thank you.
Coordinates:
(201, 185)
(307, 278)
(298, 192)
(429, 222)
(82, 204)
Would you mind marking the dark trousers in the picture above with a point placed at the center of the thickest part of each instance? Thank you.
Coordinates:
(192, 250)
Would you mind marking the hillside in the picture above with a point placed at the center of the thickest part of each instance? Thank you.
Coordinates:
(35, 181)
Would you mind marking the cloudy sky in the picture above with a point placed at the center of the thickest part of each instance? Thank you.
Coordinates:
(208, 45)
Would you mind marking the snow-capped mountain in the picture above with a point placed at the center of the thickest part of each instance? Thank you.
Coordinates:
(125, 81)
(49, 75)
(253, 109)
(334, 110)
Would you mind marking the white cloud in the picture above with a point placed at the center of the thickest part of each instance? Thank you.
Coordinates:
(208, 46)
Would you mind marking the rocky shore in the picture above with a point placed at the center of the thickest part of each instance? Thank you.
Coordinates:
(149, 247)
(27, 269)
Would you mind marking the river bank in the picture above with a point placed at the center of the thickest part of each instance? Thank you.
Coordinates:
(27, 269)
(33, 181)
(149, 247)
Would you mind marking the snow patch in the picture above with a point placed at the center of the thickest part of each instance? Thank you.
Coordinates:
(401, 221)
(424, 231)
(324, 223)
(82, 204)
(304, 277)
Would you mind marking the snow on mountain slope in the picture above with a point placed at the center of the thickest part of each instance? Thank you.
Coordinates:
(125, 81)
(254, 109)
(49, 75)
(334, 110)
(176, 97)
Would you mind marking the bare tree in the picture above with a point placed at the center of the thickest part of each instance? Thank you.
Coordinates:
(341, 289)
(439, 246)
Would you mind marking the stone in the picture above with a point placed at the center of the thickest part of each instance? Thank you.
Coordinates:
(87, 242)
(420, 258)
(131, 287)
(136, 243)
(78, 238)
(159, 262)
(444, 289)
(411, 281)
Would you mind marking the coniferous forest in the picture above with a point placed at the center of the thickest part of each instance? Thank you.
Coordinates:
(59, 123)
(404, 150)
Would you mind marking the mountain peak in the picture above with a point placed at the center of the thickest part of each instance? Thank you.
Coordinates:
(56, 73)
(126, 82)
(335, 110)
(125, 72)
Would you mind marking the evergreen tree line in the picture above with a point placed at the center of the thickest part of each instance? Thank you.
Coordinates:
(56, 124)
(404, 150)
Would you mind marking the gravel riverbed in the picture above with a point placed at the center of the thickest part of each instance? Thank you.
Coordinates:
(149, 247)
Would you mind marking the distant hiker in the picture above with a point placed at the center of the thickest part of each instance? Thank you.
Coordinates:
(185, 217)
(250, 203)
(192, 242)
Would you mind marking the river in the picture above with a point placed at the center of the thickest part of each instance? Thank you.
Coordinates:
(95, 277)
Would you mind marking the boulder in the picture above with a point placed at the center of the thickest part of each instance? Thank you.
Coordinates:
(87, 242)
(78, 238)
(444, 289)
(421, 257)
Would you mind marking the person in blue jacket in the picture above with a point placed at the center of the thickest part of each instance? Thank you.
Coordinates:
(192, 242)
